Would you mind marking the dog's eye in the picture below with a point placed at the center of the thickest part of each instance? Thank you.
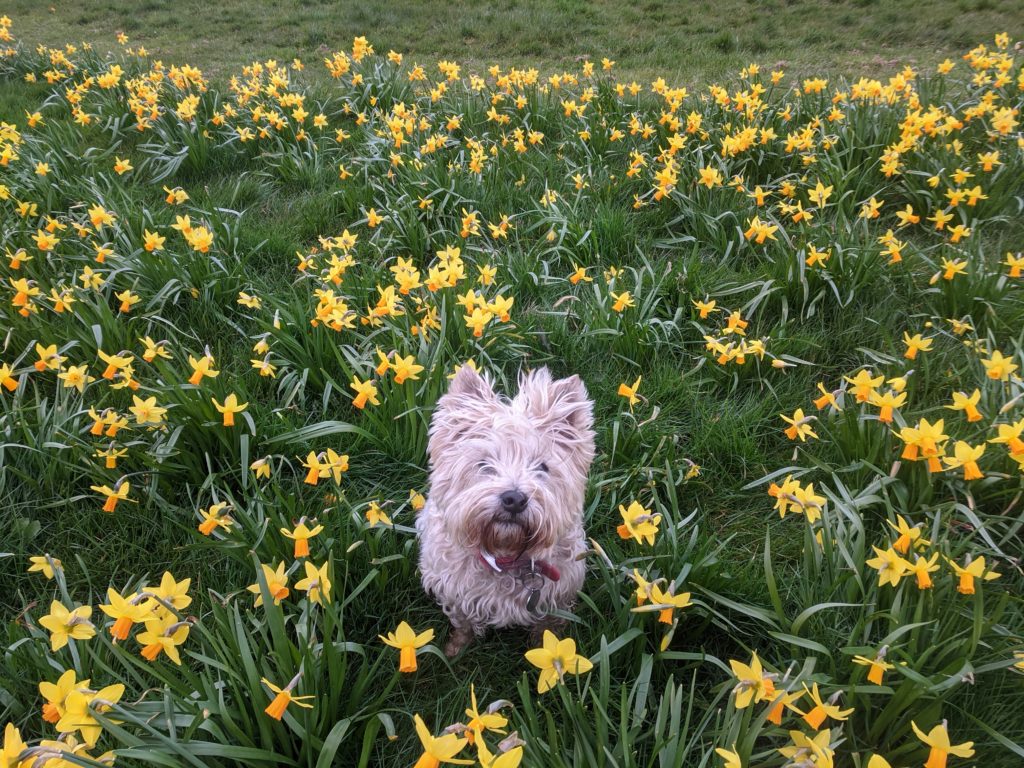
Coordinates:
(542, 467)
(485, 469)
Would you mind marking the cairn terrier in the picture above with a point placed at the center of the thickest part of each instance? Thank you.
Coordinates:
(501, 535)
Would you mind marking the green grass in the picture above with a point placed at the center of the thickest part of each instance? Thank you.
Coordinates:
(760, 583)
(686, 42)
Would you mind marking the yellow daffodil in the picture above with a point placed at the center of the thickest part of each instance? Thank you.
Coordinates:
(821, 711)
(971, 573)
(555, 659)
(966, 456)
(405, 639)
(277, 584)
(366, 392)
(909, 535)
(317, 584)
(80, 708)
(480, 722)
(967, 404)
(877, 666)
(638, 523)
(799, 425)
(283, 697)
(126, 612)
(941, 747)
(730, 757)
(437, 750)
(163, 634)
(113, 495)
(301, 534)
(753, 684)
(230, 407)
(44, 564)
(64, 624)
(915, 344)
(628, 391)
(56, 695)
(214, 517)
(890, 566)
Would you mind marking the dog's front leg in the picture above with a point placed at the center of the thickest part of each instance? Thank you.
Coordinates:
(460, 634)
(458, 639)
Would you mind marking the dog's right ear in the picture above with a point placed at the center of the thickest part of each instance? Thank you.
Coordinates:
(467, 405)
(469, 384)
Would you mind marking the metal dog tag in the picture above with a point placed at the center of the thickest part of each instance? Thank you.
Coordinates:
(533, 581)
(532, 600)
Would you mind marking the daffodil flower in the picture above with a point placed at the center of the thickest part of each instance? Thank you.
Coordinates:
(126, 612)
(753, 683)
(508, 759)
(490, 720)
(283, 697)
(877, 667)
(783, 700)
(638, 523)
(56, 695)
(405, 639)
(215, 517)
(809, 750)
(890, 566)
(555, 659)
(730, 757)
(44, 564)
(437, 750)
(230, 407)
(113, 495)
(628, 391)
(966, 456)
(277, 584)
(972, 572)
(163, 634)
(64, 624)
(317, 584)
(815, 716)
(366, 392)
(201, 367)
(941, 748)
(799, 425)
(79, 709)
(301, 534)
(909, 535)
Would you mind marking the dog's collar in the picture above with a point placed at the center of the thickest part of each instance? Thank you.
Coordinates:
(504, 564)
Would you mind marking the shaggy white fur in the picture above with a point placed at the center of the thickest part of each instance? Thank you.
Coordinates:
(483, 446)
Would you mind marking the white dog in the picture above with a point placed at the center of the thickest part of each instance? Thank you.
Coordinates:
(501, 535)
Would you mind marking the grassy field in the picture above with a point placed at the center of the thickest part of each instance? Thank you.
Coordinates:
(772, 253)
(686, 42)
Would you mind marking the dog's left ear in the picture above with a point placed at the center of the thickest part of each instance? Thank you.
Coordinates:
(562, 408)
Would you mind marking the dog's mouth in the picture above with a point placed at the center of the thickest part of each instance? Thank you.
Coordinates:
(506, 534)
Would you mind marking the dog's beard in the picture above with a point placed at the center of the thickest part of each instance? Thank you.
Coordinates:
(506, 536)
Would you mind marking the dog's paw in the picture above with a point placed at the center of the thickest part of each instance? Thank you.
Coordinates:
(457, 641)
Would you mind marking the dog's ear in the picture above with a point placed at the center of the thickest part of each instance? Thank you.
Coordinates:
(468, 384)
(562, 408)
(469, 403)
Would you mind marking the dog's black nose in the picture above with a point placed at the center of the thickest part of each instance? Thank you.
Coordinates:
(513, 502)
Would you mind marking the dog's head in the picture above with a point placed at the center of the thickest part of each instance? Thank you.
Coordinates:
(510, 474)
